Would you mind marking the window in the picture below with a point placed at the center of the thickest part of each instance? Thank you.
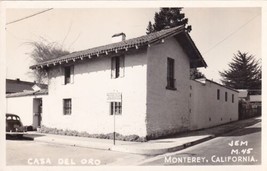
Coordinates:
(117, 67)
(115, 108)
(233, 98)
(218, 94)
(66, 106)
(226, 96)
(68, 74)
(170, 74)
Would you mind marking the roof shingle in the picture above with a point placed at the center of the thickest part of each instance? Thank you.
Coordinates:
(123, 45)
(28, 93)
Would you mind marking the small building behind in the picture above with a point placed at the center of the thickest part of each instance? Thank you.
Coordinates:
(25, 100)
(250, 103)
(17, 85)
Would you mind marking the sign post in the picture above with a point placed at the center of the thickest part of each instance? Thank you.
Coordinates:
(114, 97)
(114, 134)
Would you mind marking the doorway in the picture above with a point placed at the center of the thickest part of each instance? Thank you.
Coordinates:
(37, 112)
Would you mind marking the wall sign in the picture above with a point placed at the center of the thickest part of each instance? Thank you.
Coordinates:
(114, 97)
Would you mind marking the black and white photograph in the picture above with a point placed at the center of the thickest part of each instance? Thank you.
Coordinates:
(135, 85)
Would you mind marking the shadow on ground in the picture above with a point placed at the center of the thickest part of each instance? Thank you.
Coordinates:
(22, 137)
(225, 129)
(18, 138)
(245, 131)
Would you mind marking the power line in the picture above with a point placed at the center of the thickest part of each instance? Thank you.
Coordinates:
(231, 34)
(29, 16)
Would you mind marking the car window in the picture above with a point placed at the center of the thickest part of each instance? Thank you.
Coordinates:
(15, 118)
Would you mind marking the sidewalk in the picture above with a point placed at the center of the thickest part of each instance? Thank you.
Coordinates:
(152, 147)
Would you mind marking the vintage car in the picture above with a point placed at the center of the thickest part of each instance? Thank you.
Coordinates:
(14, 125)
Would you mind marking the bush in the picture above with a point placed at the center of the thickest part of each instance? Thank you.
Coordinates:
(83, 134)
(68, 132)
(131, 138)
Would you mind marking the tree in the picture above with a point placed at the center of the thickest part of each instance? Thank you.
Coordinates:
(149, 28)
(196, 74)
(244, 72)
(167, 18)
(44, 50)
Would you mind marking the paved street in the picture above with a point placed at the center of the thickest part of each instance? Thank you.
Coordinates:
(239, 147)
(25, 152)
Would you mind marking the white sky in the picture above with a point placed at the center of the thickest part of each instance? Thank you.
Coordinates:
(217, 32)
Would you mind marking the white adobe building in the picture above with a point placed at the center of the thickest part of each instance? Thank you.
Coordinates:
(141, 86)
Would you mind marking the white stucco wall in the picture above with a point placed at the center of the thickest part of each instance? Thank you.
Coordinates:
(167, 110)
(90, 109)
(206, 110)
(23, 107)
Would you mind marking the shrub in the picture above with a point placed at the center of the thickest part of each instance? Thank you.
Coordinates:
(83, 134)
(131, 138)
(69, 132)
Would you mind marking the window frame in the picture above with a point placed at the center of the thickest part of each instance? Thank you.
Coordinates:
(117, 66)
(67, 106)
(115, 108)
(68, 72)
(171, 74)
(233, 98)
(226, 96)
(218, 94)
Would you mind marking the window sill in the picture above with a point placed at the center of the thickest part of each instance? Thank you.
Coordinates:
(171, 88)
(68, 83)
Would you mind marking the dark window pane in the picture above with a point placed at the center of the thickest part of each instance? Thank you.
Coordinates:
(218, 94)
(170, 73)
(115, 108)
(67, 74)
(117, 67)
(67, 106)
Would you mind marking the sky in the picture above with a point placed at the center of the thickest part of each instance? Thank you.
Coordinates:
(217, 32)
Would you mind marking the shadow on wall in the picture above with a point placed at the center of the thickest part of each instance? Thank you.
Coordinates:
(133, 58)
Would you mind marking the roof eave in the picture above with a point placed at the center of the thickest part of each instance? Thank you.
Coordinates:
(107, 52)
(196, 59)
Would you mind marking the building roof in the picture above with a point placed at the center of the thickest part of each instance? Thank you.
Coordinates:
(180, 34)
(28, 93)
(255, 98)
(243, 93)
(14, 86)
(204, 80)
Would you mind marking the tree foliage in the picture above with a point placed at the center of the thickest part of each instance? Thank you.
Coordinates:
(196, 74)
(44, 50)
(244, 72)
(167, 18)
